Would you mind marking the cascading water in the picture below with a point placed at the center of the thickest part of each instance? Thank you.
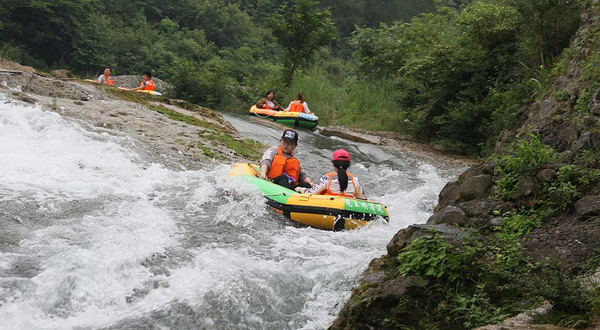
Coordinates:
(95, 237)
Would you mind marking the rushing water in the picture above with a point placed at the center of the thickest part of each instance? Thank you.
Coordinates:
(93, 236)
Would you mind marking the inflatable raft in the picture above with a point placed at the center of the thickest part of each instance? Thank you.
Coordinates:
(319, 211)
(295, 119)
(155, 93)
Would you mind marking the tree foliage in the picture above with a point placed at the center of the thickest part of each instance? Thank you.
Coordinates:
(301, 28)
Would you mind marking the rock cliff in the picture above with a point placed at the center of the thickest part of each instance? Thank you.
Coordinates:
(516, 232)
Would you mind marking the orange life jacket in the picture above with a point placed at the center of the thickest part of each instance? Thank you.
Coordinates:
(108, 80)
(150, 86)
(295, 107)
(281, 164)
(328, 191)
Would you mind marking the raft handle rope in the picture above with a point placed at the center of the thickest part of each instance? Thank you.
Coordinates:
(260, 115)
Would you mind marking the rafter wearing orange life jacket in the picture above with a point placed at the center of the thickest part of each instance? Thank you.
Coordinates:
(148, 85)
(328, 190)
(295, 107)
(281, 164)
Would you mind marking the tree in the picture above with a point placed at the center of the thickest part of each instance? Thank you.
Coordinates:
(301, 29)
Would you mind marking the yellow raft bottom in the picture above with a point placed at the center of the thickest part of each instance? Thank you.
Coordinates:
(320, 221)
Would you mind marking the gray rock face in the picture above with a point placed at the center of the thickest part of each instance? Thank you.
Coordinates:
(546, 175)
(475, 186)
(479, 207)
(448, 195)
(402, 238)
(527, 185)
(589, 205)
(451, 215)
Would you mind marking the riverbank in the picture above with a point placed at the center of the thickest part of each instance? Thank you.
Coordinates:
(185, 135)
(175, 133)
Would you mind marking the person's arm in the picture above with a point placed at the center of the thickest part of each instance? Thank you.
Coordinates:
(260, 103)
(317, 188)
(100, 79)
(288, 108)
(139, 87)
(263, 171)
(265, 162)
(306, 109)
(359, 193)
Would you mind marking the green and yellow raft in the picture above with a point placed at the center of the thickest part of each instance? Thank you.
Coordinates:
(295, 119)
(319, 211)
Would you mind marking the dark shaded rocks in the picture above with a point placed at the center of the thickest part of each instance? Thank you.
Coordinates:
(402, 238)
(527, 186)
(587, 206)
(451, 215)
(483, 207)
(475, 186)
(472, 184)
(383, 299)
(449, 194)
(546, 175)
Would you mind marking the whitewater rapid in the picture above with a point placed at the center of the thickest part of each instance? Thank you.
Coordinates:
(94, 236)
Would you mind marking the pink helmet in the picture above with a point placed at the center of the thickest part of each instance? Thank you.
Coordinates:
(340, 154)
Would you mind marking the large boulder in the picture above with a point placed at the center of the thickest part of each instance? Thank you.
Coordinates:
(450, 233)
(475, 186)
(589, 205)
(451, 215)
(448, 195)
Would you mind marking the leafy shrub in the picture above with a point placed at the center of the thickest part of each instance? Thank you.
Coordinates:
(526, 156)
(428, 257)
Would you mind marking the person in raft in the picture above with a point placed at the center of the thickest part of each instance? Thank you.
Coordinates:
(298, 105)
(268, 102)
(279, 165)
(337, 183)
(105, 78)
(146, 85)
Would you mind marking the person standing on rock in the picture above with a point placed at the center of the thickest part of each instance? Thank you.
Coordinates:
(106, 78)
(337, 183)
(279, 165)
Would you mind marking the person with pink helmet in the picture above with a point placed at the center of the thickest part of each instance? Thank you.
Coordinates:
(337, 183)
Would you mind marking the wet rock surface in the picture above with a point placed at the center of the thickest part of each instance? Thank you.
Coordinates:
(176, 144)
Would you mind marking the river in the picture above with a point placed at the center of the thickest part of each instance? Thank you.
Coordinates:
(95, 236)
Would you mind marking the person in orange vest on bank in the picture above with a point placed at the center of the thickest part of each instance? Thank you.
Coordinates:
(105, 78)
(279, 165)
(147, 84)
(337, 183)
(298, 105)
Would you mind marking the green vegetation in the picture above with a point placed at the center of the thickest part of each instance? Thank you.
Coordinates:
(477, 284)
(526, 156)
(454, 75)
(301, 28)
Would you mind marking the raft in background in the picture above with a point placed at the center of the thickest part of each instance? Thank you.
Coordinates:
(295, 119)
(319, 211)
(155, 93)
